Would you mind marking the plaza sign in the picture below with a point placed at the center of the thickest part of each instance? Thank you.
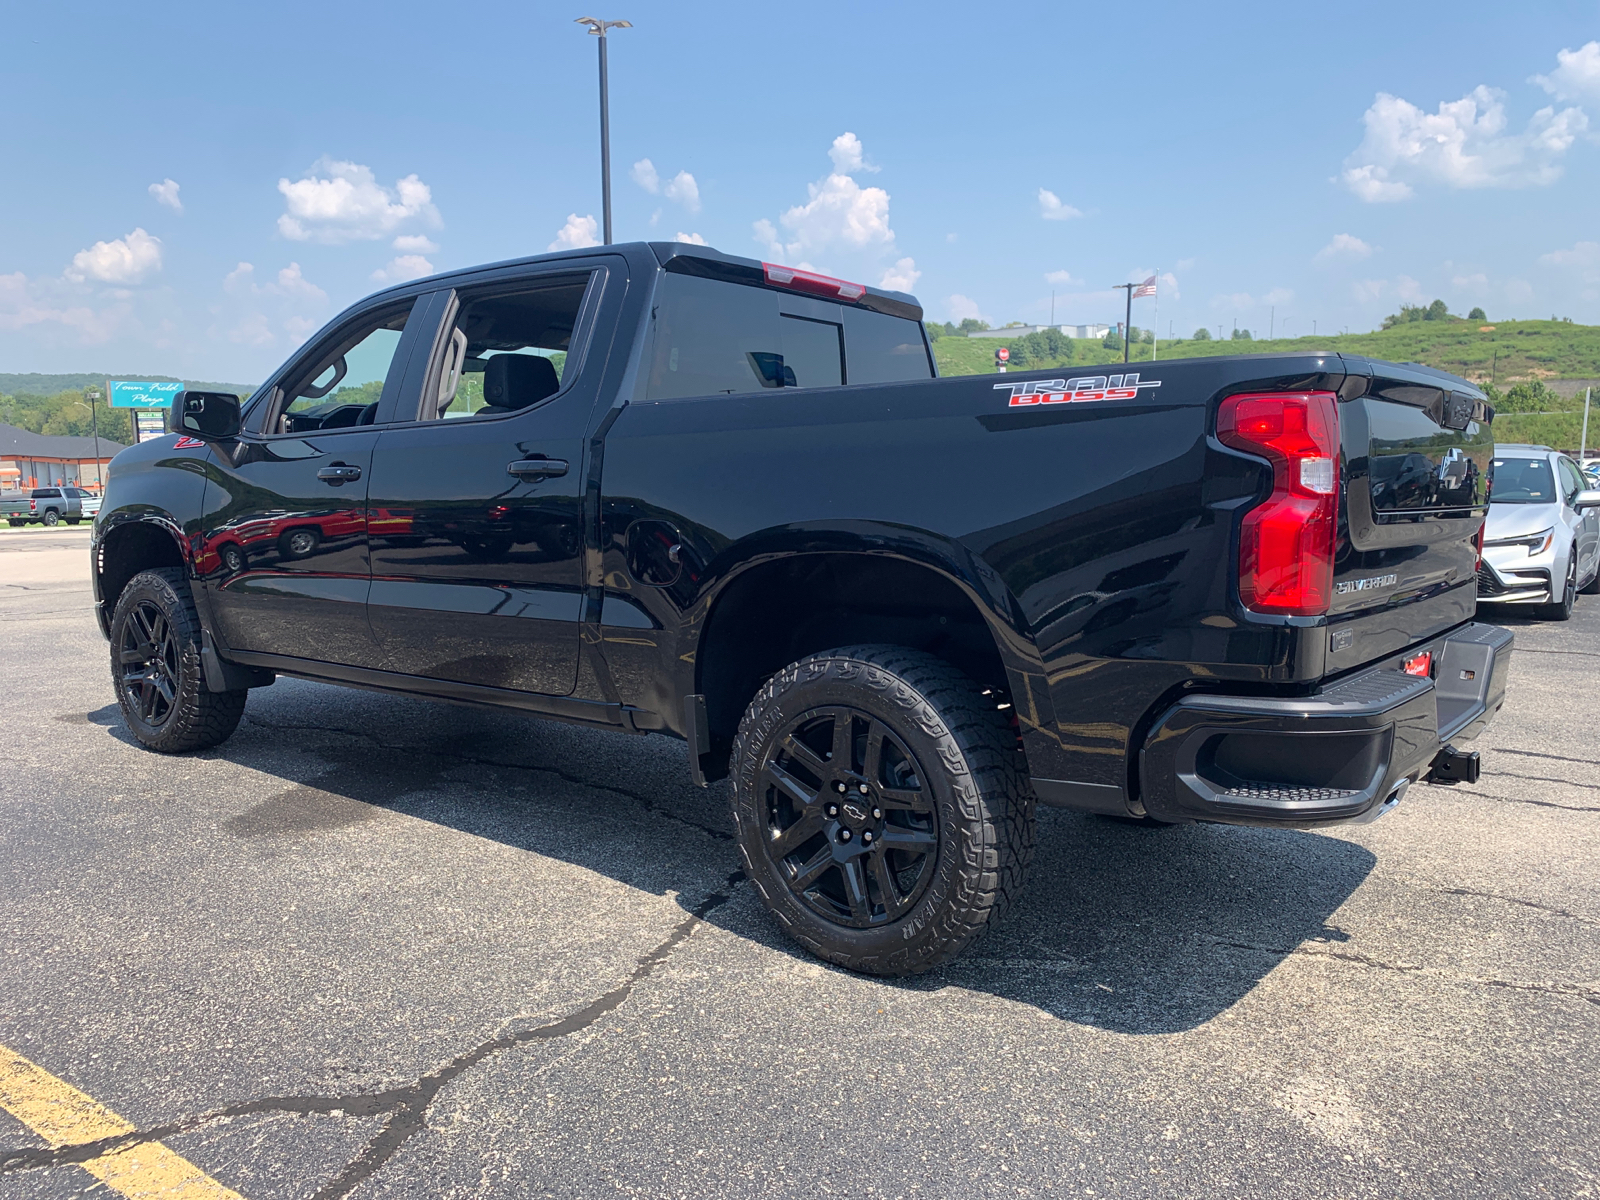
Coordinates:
(142, 395)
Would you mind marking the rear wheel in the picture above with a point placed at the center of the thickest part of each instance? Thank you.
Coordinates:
(298, 543)
(156, 669)
(882, 807)
(1562, 609)
(52, 518)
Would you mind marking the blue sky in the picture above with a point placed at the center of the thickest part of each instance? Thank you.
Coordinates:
(194, 189)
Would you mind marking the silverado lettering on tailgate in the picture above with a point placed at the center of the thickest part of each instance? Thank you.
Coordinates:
(1075, 391)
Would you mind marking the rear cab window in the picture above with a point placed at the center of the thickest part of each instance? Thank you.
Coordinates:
(715, 337)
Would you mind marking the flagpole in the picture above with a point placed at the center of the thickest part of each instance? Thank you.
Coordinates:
(1155, 326)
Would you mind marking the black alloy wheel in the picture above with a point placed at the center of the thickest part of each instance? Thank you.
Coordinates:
(851, 828)
(882, 807)
(157, 669)
(150, 662)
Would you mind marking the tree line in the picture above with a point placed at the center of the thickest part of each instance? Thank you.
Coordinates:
(66, 414)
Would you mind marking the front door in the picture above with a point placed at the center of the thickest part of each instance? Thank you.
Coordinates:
(284, 554)
(476, 508)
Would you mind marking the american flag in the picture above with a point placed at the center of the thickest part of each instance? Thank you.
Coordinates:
(1147, 288)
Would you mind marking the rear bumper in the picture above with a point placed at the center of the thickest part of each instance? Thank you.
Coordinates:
(1338, 756)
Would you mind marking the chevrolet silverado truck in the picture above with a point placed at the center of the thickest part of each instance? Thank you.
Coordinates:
(659, 489)
(49, 506)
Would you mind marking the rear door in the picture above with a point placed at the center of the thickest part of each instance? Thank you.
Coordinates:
(477, 503)
(1585, 523)
(1416, 462)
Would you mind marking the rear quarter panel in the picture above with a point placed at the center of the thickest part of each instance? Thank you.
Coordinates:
(1097, 535)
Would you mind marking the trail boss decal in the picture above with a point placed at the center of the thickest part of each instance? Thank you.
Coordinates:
(1072, 391)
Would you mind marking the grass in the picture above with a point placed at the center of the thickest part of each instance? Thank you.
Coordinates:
(1502, 353)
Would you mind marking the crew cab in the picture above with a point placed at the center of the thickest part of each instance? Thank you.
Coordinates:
(659, 489)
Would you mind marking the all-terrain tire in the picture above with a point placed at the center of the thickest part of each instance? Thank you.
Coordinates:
(164, 699)
(967, 759)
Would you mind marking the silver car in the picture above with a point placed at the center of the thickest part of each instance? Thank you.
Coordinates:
(1541, 543)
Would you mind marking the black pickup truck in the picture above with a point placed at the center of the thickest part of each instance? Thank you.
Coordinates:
(656, 488)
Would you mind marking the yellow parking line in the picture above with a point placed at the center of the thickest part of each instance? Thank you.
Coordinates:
(64, 1116)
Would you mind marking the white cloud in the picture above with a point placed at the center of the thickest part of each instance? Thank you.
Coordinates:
(839, 213)
(267, 315)
(1051, 208)
(166, 192)
(1577, 74)
(950, 237)
(341, 201)
(1583, 258)
(1477, 283)
(1234, 300)
(1061, 277)
(577, 233)
(1518, 291)
(1169, 286)
(122, 260)
(960, 308)
(1464, 145)
(414, 243)
(1278, 296)
(1372, 184)
(693, 239)
(644, 174)
(26, 304)
(682, 188)
(293, 284)
(1343, 246)
(1366, 290)
(848, 154)
(901, 277)
(1407, 288)
(401, 268)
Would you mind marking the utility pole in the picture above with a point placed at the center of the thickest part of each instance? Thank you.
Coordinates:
(1272, 323)
(94, 424)
(1583, 442)
(1127, 326)
(599, 27)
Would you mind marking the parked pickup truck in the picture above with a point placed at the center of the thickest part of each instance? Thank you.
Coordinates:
(656, 488)
(48, 506)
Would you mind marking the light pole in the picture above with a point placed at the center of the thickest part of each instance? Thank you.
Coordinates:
(598, 28)
(94, 424)
(1127, 323)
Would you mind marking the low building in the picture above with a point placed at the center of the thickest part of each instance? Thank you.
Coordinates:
(30, 460)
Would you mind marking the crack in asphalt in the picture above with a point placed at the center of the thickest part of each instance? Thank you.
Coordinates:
(1549, 908)
(1578, 991)
(1537, 650)
(643, 801)
(1593, 787)
(1538, 803)
(1589, 762)
(407, 1106)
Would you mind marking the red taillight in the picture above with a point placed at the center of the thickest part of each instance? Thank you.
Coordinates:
(810, 282)
(1421, 664)
(1477, 544)
(1286, 542)
(33, 505)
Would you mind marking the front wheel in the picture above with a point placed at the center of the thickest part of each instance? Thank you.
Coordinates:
(1562, 609)
(882, 807)
(156, 669)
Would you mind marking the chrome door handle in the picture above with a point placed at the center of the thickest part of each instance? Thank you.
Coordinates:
(538, 468)
(338, 474)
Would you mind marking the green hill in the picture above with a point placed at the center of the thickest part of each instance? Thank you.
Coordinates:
(1501, 354)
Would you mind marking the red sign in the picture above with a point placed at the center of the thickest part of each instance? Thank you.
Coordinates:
(1003, 354)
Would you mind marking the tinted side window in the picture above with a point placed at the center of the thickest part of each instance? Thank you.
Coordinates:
(1571, 480)
(716, 338)
(340, 383)
(883, 349)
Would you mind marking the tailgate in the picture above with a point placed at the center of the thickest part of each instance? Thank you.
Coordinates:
(1416, 449)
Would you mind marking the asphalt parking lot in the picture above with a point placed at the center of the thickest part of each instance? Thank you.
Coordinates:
(376, 947)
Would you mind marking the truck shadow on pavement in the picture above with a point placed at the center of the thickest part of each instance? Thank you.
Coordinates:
(1125, 928)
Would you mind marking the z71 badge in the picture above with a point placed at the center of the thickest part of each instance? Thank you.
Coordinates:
(1076, 391)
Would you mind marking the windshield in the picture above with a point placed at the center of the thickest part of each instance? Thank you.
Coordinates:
(1521, 481)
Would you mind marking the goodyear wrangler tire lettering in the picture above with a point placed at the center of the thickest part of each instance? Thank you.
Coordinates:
(882, 807)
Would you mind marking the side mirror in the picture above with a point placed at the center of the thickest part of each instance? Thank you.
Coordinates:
(1588, 499)
(214, 417)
